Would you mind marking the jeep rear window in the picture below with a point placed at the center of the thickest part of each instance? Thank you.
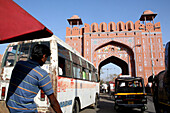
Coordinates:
(20, 52)
(134, 86)
(10, 56)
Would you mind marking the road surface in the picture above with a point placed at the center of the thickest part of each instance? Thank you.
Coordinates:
(106, 105)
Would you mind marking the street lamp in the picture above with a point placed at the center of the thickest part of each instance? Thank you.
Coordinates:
(149, 30)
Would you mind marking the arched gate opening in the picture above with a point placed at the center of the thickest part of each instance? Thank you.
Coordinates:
(126, 68)
(117, 61)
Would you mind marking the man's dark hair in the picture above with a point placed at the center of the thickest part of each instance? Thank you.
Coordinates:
(39, 50)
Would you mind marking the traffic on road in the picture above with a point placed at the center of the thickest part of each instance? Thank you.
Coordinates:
(106, 105)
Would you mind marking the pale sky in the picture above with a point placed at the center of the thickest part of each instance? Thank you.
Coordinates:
(54, 13)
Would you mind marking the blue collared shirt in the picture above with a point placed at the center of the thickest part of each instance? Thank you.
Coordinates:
(26, 80)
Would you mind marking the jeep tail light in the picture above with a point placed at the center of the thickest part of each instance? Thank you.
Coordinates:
(119, 97)
(3, 93)
(42, 95)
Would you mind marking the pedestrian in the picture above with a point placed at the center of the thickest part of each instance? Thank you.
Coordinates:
(27, 79)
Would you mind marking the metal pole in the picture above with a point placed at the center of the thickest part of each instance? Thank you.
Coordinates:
(134, 47)
(107, 73)
(151, 52)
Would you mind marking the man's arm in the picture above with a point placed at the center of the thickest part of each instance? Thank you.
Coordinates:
(54, 103)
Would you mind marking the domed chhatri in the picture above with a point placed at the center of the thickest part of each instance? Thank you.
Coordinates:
(147, 15)
(75, 17)
(148, 12)
(75, 20)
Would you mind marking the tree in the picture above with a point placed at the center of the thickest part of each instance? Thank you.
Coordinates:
(112, 77)
(101, 81)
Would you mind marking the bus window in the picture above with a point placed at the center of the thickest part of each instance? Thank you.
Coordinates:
(74, 70)
(89, 66)
(90, 77)
(77, 71)
(63, 52)
(47, 43)
(84, 74)
(61, 69)
(10, 56)
(79, 75)
(65, 67)
(61, 65)
(24, 51)
(75, 58)
(87, 74)
(68, 68)
(94, 77)
(26, 48)
(84, 64)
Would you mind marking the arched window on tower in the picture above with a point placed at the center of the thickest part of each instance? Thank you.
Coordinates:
(129, 26)
(111, 27)
(120, 27)
(93, 28)
(102, 28)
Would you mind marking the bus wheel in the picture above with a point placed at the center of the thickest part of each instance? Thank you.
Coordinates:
(75, 107)
(95, 105)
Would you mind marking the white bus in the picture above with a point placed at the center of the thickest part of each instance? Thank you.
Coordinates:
(75, 80)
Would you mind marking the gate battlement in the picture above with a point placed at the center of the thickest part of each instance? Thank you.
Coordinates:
(111, 28)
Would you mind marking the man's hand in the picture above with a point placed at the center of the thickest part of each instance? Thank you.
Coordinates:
(54, 103)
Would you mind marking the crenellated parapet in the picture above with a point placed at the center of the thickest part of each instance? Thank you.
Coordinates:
(118, 27)
(143, 24)
(111, 27)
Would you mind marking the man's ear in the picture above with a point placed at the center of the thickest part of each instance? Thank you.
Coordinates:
(44, 55)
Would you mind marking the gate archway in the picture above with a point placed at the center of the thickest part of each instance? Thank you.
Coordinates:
(117, 61)
(128, 66)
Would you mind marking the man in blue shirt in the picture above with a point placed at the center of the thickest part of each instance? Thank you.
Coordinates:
(27, 79)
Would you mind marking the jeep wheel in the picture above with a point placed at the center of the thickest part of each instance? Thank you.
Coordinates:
(116, 107)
